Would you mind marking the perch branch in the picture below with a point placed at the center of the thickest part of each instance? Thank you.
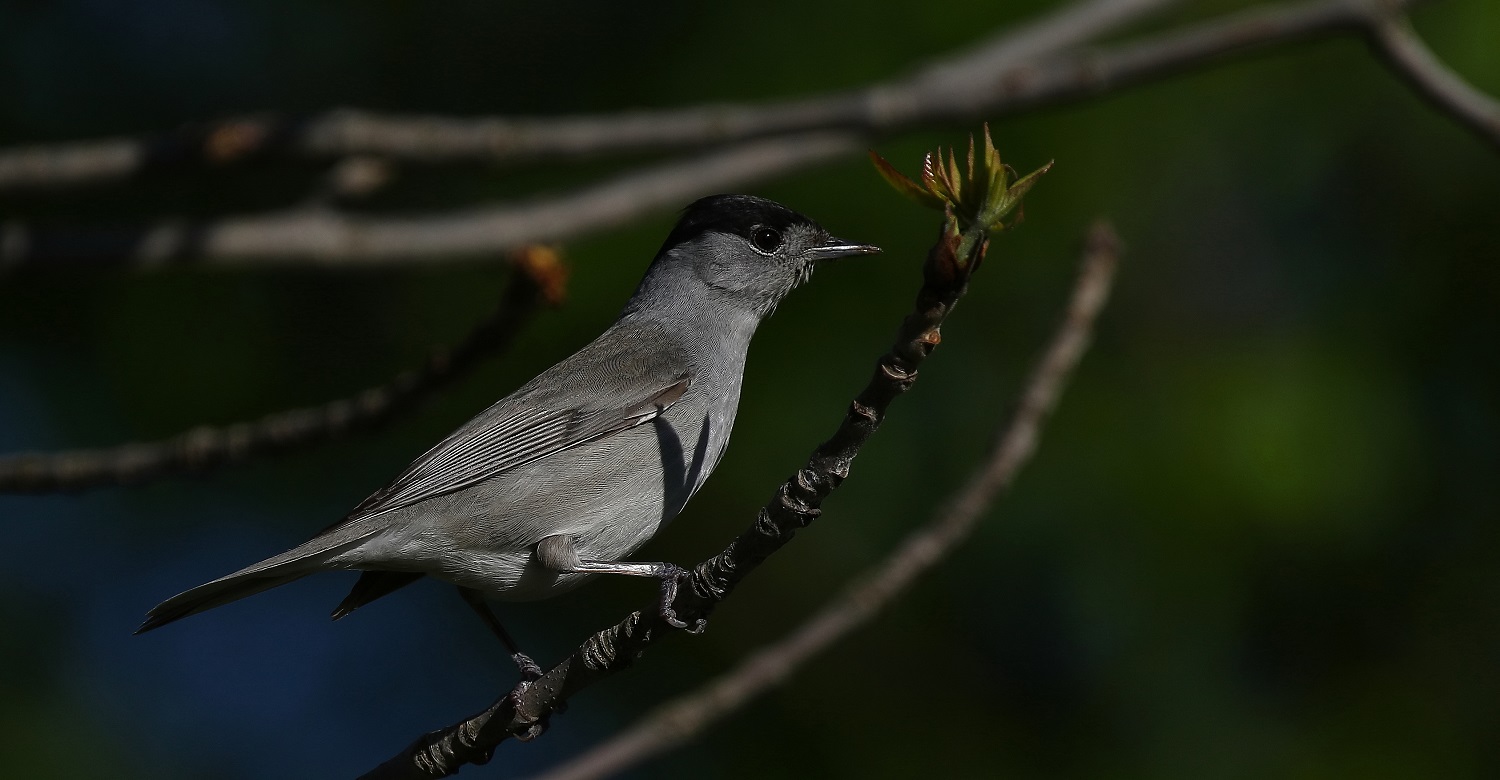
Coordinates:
(539, 276)
(1406, 54)
(679, 720)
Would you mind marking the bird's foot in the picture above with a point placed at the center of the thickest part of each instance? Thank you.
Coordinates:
(530, 670)
(514, 700)
(671, 575)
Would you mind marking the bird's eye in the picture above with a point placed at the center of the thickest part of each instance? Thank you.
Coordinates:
(765, 239)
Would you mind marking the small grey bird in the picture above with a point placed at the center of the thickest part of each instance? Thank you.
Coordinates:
(569, 475)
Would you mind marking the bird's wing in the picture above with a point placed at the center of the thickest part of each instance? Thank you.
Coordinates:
(516, 431)
(534, 423)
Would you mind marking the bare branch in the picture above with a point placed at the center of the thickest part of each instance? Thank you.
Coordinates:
(1402, 49)
(681, 719)
(539, 275)
(329, 238)
(434, 139)
(945, 277)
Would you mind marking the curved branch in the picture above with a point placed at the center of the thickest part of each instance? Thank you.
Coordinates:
(329, 238)
(679, 720)
(539, 276)
(435, 139)
(796, 503)
(1402, 49)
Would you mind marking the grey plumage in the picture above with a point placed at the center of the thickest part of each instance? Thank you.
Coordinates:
(591, 458)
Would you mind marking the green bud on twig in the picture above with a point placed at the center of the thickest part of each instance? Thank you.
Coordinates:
(974, 199)
(980, 195)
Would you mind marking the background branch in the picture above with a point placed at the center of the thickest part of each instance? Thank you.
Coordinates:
(435, 139)
(679, 720)
(998, 89)
(1402, 49)
(329, 238)
(539, 275)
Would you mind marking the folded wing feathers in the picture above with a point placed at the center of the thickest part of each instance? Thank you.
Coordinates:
(472, 456)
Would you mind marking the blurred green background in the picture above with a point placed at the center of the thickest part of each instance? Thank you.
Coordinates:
(1259, 539)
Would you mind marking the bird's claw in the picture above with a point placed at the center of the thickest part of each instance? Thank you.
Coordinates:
(670, 617)
(514, 700)
(530, 670)
(671, 575)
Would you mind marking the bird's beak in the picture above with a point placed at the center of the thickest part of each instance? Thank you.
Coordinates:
(838, 247)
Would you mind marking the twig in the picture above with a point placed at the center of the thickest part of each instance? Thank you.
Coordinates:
(328, 238)
(796, 503)
(539, 276)
(679, 720)
(1402, 49)
(434, 139)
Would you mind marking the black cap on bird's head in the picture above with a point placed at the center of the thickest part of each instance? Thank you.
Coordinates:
(748, 251)
(763, 223)
(737, 251)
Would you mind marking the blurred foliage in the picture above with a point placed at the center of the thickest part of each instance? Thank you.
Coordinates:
(1259, 538)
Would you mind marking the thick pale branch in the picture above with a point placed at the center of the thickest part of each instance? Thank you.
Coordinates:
(678, 721)
(538, 275)
(796, 503)
(430, 139)
(330, 238)
(1401, 48)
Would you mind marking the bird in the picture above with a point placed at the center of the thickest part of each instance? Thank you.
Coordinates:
(569, 475)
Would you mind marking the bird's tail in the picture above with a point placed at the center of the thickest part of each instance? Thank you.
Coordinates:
(213, 594)
(291, 565)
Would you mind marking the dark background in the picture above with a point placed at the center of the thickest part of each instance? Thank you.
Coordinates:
(1259, 539)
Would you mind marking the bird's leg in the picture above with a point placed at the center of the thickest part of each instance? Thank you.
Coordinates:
(529, 668)
(530, 671)
(559, 553)
(669, 574)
